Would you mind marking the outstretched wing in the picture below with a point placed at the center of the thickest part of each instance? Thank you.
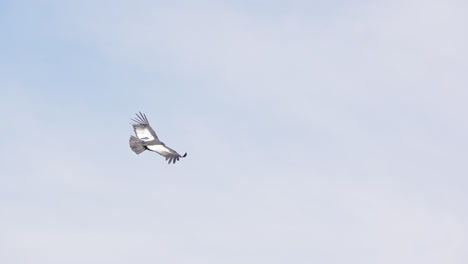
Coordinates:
(143, 129)
(166, 152)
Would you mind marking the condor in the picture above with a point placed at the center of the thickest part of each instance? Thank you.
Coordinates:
(146, 139)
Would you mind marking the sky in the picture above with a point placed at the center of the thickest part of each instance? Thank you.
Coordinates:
(316, 131)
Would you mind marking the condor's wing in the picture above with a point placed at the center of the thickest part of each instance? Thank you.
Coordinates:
(166, 152)
(143, 129)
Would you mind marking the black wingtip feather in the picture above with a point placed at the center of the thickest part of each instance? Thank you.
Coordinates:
(146, 119)
(140, 119)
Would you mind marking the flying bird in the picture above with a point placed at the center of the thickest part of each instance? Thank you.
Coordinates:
(146, 139)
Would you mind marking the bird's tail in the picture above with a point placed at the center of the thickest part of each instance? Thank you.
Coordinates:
(136, 145)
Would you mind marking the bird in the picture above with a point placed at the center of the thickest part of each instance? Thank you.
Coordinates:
(146, 139)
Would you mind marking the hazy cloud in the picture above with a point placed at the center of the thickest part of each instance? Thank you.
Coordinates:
(317, 132)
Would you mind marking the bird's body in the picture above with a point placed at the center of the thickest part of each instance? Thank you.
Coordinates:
(146, 139)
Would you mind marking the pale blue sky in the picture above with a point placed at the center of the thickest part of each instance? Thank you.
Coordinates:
(316, 132)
